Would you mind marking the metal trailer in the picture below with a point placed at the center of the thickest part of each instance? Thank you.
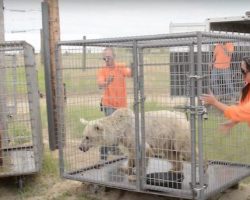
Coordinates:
(21, 146)
(233, 24)
(211, 161)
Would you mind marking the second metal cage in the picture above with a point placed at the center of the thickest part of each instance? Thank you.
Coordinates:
(21, 147)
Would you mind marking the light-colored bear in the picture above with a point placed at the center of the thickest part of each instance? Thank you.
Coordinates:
(166, 133)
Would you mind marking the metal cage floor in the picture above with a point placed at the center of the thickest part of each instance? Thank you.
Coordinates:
(219, 174)
(18, 161)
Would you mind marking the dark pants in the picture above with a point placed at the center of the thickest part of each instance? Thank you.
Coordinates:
(225, 75)
(104, 150)
(108, 110)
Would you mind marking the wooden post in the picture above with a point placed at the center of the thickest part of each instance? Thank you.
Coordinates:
(1, 152)
(84, 55)
(1, 22)
(54, 37)
(41, 47)
(2, 39)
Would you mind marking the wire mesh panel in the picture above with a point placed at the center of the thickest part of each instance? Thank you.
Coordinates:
(162, 139)
(20, 132)
(167, 127)
(189, 71)
(92, 90)
(227, 153)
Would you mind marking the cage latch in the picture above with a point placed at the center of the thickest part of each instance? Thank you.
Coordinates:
(197, 77)
(196, 110)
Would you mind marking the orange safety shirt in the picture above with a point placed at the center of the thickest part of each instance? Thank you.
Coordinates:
(239, 112)
(222, 59)
(115, 94)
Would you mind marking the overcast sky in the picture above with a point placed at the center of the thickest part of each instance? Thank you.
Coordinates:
(112, 18)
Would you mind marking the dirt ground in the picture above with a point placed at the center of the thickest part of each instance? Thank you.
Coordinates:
(52, 188)
(243, 193)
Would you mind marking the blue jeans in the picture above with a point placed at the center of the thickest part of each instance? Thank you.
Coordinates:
(108, 110)
(219, 88)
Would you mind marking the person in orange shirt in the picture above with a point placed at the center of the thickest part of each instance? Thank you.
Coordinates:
(111, 78)
(236, 113)
(221, 69)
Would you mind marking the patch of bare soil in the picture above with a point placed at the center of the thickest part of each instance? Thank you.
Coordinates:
(242, 193)
(75, 190)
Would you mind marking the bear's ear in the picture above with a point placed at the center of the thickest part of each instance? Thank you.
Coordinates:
(98, 127)
(84, 121)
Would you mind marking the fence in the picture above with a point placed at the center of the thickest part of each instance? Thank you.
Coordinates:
(20, 123)
(167, 145)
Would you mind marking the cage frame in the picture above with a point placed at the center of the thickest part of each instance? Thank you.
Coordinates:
(137, 44)
(33, 100)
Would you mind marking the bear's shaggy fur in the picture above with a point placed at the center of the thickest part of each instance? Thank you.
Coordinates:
(166, 133)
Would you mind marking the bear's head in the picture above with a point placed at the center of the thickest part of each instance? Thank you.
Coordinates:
(92, 136)
(96, 133)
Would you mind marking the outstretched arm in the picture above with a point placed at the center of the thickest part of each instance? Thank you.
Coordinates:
(236, 113)
(240, 113)
(211, 100)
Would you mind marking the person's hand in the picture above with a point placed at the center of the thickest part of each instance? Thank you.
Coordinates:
(226, 127)
(208, 98)
(109, 80)
(106, 82)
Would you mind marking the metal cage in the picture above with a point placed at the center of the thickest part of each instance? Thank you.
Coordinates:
(174, 142)
(20, 133)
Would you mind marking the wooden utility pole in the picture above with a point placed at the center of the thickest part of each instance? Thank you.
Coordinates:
(2, 103)
(1, 22)
(54, 30)
(41, 47)
(52, 37)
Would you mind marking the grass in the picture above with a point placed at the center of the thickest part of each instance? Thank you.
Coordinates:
(41, 78)
(233, 147)
(50, 165)
(79, 196)
(16, 80)
(78, 80)
(75, 113)
(19, 133)
(153, 106)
